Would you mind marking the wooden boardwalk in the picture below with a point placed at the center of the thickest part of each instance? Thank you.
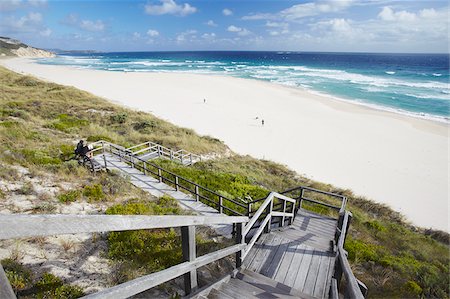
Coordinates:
(300, 256)
(156, 188)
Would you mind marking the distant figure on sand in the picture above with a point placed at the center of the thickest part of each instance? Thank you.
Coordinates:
(262, 122)
(204, 101)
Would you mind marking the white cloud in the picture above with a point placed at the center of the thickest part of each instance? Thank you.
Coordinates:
(93, 26)
(227, 12)
(211, 23)
(136, 36)
(170, 7)
(209, 35)
(46, 32)
(11, 5)
(30, 23)
(87, 25)
(240, 31)
(303, 10)
(277, 28)
(152, 33)
(8, 5)
(388, 14)
(37, 2)
(186, 35)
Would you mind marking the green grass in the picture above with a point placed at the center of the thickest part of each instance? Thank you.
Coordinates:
(48, 285)
(145, 251)
(41, 122)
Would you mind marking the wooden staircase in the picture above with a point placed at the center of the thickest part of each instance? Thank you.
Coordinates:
(248, 284)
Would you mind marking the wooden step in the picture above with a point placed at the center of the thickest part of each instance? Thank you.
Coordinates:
(269, 285)
(217, 294)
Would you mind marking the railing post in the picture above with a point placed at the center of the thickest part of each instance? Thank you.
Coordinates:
(189, 255)
(176, 183)
(159, 150)
(6, 290)
(249, 208)
(302, 192)
(220, 204)
(190, 157)
(159, 175)
(181, 157)
(197, 197)
(284, 211)
(171, 154)
(239, 240)
(145, 168)
(269, 212)
(104, 157)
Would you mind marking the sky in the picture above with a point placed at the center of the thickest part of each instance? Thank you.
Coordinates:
(254, 25)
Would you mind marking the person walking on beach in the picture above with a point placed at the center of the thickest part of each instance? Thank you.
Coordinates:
(204, 100)
(262, 122)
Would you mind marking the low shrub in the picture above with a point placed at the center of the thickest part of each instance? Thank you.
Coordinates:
(19, 276)
(69, 196)
(94, 192)
(27, 189)
(68, 123)
(39, 157)
(51, 286)
(148, 250)
(119, 118)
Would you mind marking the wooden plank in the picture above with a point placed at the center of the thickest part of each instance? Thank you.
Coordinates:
(270, 254)
(322, 276)
(313, 271)
(189, 254)
(303, 269)
(262, 253)
(21, 225)
(280, 275)
(332, 262)
(295, 265)
(218, 294)
(277, 259)
(253, 252)
(271, 286)
(146, 282)
(6, 290)
(246, 290)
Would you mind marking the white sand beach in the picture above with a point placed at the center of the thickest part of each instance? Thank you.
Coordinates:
(393, 159)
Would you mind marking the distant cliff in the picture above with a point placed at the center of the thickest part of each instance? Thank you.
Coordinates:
(12, 47)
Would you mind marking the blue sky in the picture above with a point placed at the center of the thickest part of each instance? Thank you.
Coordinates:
(154, 25)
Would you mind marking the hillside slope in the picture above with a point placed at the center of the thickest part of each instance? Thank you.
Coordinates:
(12, 47)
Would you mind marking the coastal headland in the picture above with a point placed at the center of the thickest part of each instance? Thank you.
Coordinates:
(393, 159)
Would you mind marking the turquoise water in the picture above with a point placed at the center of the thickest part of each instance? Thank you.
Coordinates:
(414, 84)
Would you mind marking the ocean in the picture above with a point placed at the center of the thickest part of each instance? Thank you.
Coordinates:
(413, 84)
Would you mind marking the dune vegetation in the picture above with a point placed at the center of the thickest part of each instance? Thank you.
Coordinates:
(40, 122)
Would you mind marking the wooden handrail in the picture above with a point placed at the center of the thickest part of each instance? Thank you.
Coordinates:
(24, 225)
(132, 159)
(267, 220)
(353, 287)
(141, 284)
(153, 147)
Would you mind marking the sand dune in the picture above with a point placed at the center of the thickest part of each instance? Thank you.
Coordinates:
(390, 158)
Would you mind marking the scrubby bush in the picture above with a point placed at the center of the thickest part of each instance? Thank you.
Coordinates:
(119, 118)
(51, 286)
(68, 123)
(94, 192)
(69, 196)
(148, 250)
(19, 276)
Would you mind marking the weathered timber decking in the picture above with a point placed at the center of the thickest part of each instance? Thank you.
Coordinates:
(156, 188)
(300, 256)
